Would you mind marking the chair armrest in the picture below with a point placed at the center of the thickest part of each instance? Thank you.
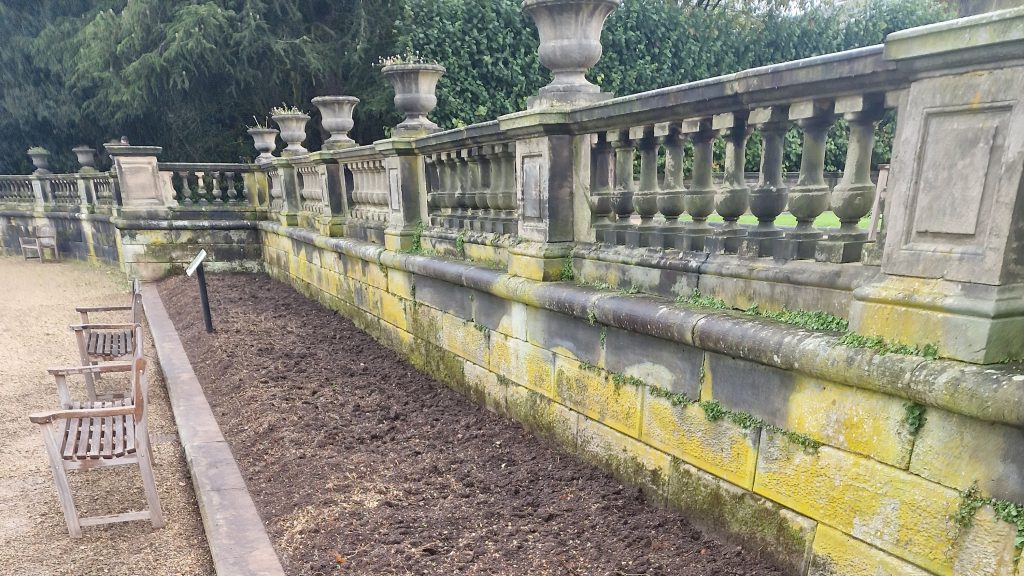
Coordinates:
(50, 416)
(94, 369)
(102, 308)
(125, 326)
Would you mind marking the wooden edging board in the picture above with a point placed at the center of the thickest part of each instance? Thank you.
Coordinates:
(234, 531)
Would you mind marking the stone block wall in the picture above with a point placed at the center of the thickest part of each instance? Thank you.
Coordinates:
(147, 249)
(155, 252)
(820, 465)
(86, 237)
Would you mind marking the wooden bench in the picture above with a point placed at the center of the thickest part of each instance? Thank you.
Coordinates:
(99, 343)
(43, 237)
(88, 434)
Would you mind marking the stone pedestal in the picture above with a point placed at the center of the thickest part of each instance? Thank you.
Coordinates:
(953, 267)
(144, 191)
(407, 192)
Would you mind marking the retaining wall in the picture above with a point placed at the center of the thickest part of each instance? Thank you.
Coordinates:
(147, 248)
(88, 237)
(795, 446)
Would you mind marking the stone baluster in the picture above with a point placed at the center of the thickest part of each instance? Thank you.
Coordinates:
(489, 186)
(483, 185)
(601, 174)
(625, 186)
(508, 201)
(185, 194)
(215, 185)
(853, 196)
(463, 191)
(473, 188)
(441, 194)
(733, 196)
(645, 200)
(672, 196)
(433, 175)
(809, 198)
(201, 190)
(699, 200)
(451, 162)
(356, 193)
(768, 199)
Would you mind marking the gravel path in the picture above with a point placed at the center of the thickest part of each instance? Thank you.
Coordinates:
(36, 305)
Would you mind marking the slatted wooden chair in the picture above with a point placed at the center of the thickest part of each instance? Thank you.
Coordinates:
(43, 238)
(99, 343)
(83, 435)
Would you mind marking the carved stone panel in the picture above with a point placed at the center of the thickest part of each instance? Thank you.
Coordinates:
(957, 179)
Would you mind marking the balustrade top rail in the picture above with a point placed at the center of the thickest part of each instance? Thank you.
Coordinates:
(852, 72)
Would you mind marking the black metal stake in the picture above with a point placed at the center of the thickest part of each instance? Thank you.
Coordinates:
(204, 299)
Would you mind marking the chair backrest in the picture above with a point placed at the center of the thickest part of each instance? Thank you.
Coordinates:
(45, 231)
(136, 301)
(140, 387)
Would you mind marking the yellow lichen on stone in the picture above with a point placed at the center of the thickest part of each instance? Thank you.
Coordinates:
(485, 388)
(884, 506)
(400, 284)
(393, 310)
(987, 547)
(626, 457)
(718, 447)
(836, 554)
(523, 363)
(592, 392)
(542, 415)
(958, 451)
(464, 339)
(857, 420)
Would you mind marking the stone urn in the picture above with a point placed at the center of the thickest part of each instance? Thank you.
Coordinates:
(264, 140)
(40, 159)
(86, 157)
(570, 44)
(293, 131)
(415, 97)
(336, 118)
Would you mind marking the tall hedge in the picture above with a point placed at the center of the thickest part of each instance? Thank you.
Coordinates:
(190, 74)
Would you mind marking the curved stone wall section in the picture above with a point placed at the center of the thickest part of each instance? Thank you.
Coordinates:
(829, 475)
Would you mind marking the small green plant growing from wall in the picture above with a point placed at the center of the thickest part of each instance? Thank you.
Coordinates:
(914, 418)
(567, 274)
(460, 242)
(971, 501)
(417, 238)
(698, 300)
(883, 346)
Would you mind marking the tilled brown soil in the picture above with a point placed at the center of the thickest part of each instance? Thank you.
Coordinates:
(359, 464)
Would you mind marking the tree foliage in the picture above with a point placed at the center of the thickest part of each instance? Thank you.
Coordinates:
(190, 74)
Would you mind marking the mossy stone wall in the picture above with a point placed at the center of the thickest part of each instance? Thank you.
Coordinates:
(825, 477)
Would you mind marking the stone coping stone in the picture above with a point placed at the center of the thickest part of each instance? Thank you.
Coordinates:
(989, 393)
(234, 531)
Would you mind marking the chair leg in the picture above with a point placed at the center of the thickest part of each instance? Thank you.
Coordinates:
(60, 479)
(145, 455)
(90, 383)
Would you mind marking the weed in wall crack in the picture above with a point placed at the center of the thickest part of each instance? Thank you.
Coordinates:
(460, 242)
(914, 418)
(698, 300)
(567, 273)
(971, 501)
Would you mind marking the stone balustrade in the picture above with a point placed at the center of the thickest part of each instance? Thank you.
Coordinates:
(16, 190)
(199, 184)
(654, 203)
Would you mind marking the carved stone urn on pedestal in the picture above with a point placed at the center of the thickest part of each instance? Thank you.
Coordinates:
(336, 118)
(570, 44)
(415, 86)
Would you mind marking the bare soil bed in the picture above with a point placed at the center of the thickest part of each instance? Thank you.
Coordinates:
(360, 464)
